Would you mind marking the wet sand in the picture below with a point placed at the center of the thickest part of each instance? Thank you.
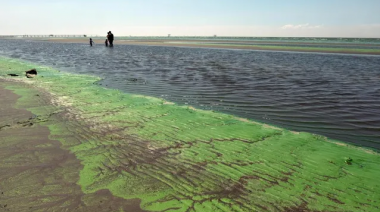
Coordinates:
(232, 45)
(36, 174)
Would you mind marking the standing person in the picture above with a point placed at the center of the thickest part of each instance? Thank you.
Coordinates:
(110, 38)
(106, 42)
(91, 42)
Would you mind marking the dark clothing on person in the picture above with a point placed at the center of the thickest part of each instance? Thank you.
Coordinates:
(91, 42)
(106, 42)
(110, 38)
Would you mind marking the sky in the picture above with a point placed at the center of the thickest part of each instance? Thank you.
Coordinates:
(274, 18)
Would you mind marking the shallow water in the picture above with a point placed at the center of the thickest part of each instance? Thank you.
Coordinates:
(288, 44)
(329, 94)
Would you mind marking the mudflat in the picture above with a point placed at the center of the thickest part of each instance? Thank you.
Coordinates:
(36, 174)
(167, 157)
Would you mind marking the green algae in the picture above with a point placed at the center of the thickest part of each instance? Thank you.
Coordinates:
(36, 174)
(181, 159)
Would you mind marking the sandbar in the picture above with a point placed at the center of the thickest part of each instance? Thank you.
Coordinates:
(349, 48)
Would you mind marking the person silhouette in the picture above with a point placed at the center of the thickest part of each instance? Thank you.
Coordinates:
(91, 42)
(110, 38)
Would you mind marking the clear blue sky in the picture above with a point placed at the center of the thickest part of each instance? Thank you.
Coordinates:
(342, 18)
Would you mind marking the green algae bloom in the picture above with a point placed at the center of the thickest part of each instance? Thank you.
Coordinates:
(177, 158)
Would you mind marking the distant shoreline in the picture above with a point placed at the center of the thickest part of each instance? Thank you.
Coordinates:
(244, 45)
(259, 45)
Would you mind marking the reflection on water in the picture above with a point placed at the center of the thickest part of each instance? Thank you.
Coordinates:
(329, 94)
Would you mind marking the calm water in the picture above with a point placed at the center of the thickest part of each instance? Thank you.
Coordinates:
(282, 39)
(341, 46)
(329, 94)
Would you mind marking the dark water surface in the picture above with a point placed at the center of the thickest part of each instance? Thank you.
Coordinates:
(329, 94)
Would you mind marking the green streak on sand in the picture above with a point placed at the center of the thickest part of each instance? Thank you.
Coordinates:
(183, 159)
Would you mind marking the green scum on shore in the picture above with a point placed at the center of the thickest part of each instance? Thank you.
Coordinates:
(177, 158)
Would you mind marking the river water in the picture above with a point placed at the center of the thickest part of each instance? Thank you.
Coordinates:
(328, 94)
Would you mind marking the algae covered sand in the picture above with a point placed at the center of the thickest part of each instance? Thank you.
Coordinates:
(177, 158)
(35, 173)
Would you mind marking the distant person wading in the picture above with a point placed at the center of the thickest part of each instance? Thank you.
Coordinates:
(110, 38)
(91, 42)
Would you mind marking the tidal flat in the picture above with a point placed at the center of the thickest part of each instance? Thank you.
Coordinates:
(162, 156)
(327, 45)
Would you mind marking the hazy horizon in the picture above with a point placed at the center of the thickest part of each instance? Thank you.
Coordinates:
(241, 18)
(174, 36)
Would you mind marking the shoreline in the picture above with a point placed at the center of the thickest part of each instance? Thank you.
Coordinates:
(233, 45)
(177, 157)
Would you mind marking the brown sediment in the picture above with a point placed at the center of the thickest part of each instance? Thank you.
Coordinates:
(231, 45)
(36, 174)
(299, 208)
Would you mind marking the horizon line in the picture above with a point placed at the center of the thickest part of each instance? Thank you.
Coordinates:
(171, 36)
